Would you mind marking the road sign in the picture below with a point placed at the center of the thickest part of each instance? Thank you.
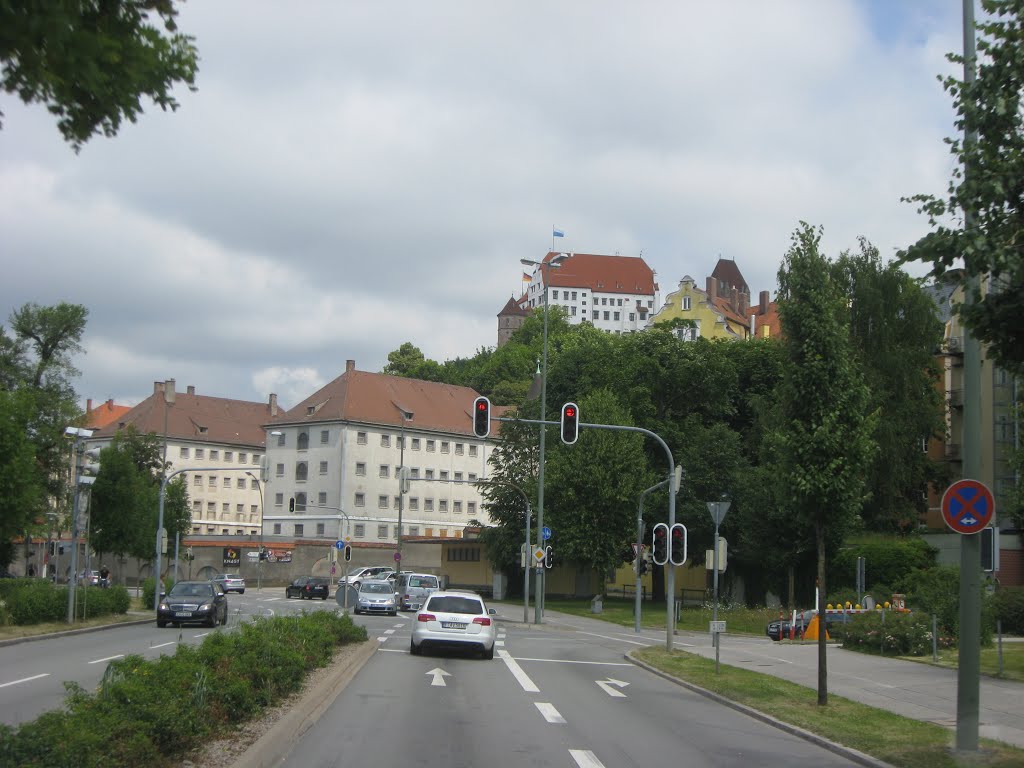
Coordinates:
(716, 627)
(339, 545)
(398, 556)
(718, 510)
(968, 506)
(538, 555)
(545, 532)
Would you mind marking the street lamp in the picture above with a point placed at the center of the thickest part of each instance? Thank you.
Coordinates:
(406, 416)
(80, 435)
(259, 571)
(545, 267)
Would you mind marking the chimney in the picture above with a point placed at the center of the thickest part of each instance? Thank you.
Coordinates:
(764, 302)
(110, 404)
(712, 286)
(350, 365)
(88, 406)
(169, 391)
(191, 389)
(273, 405)
(158, 387)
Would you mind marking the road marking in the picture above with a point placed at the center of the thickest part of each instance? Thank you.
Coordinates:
(109, 658)
(500, 643)
(391, 650)
(550, 713)
(606, 686)
(585, 758)
(439, 676)
(173, 642)
(399, 626)
(574, 661)
(25, 680)
(382, 639)
(389, 631)
(517, 672)
(620, 639)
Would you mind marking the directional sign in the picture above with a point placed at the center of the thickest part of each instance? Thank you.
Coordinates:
(968, 506)
(546, 533)
(716, 627)
(437, 676)
(339, 545)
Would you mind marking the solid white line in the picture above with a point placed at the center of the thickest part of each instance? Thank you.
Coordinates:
(25, 680)
(173, 642)
(550, 713)
(585, 758)
(392, 650)
(109, 658)
(517, 672)
(573, 661)
(619, 639)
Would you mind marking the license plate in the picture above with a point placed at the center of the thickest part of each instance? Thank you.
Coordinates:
(452, 625)
(184, 614)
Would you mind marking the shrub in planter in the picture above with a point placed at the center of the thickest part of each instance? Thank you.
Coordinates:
(893, 634)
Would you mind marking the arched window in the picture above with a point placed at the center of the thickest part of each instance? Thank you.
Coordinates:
(300, 502)
(303, 441)
(301, 471)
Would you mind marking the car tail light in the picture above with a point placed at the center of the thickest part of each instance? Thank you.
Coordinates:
(426, 617)
(483, 621)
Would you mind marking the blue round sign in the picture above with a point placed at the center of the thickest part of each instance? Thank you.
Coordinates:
(546, 533)
(339, 545)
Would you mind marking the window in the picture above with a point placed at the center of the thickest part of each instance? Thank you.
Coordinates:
(227, 482)
(430, 446)
(460, 449)
(214, 455)
(211, 508)
(253, 509)
(319, 529)
(361, 438)
(298, 529)
(229, 456)
(428, 505)
(197, 480)
(414, 504)
(280, 470)
(596, 313)
(574, 295)
(300, 502)
(620, 302)
(606, 315)
(604, 302)
(471, 508)
(458, 477)
(212, 481)
(360, 530)
(239, 508)
(323, 467)
(398, 501)
(321, 498)
(382, 501)
(183, 452)
(445, 447)
(200, 453)
(415, 443)
(414, 530)
(385, 471)
(303, 441)
(464, 554)
(325, 435)
(430, 474)
(242, 458)
(442, 505)
(254, 484)
(301, 471)
(360, 499)
(361, 468)
(632, 317)
(472, 477)
(385, 441)
(686, 303)
(277, 529)
(225, 507)
(444, 474)
(280, 440)
(241, 482)
(572, 310)
(255, 458)
(197, 507)
(382, 531)
(472, 450)
(457, 507)
(278, 499)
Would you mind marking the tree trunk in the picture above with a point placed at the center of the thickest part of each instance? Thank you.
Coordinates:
(819, 533)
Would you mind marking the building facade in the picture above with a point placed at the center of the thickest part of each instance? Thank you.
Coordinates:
(334, 461)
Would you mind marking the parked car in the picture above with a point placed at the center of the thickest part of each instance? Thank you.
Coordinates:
(230, 582)
(451, 619)
(308, 587)
(89, 578)
(376, 596)
(413, 589)
(193, 602)
(357, 576)
(780, 629)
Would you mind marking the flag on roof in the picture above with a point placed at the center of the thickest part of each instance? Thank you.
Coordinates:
(526, 278)
(557, 232)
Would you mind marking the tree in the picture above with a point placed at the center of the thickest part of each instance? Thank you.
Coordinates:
(90, 63)
(987, 189)
(825, 435)
(20, 488)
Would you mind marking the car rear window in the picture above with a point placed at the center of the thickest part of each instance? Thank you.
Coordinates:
(423, 581)
(453, 604)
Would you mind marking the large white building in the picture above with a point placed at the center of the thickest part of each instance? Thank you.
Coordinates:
(334, 461)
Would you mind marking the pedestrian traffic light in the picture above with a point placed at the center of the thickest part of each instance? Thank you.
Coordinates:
(660, 544)
(677, 550)
(348, 553)
(291, 504)
(549, 557)
(481, 417)
(641, 566)
(570, 423)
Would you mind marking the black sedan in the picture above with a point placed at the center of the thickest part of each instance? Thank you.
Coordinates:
(193, 602)
(308, 587)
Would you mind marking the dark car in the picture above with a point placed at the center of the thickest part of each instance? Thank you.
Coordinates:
(193, 602)
(308, 587)
(781, 629)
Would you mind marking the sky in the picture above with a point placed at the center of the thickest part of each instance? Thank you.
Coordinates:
(349, 176)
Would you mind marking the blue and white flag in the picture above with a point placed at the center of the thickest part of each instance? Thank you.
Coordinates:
(557, 233)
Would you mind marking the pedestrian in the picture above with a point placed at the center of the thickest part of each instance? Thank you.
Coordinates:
(104, 576)
(31, 571)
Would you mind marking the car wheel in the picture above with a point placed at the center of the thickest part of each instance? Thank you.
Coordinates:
(393, 613)
(325, 597)
(413, 649)
(241, 591)
(212, 621)
(160, 623)
(488, 653)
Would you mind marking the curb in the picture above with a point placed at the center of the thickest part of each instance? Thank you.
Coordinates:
(849, 753)
(273, 746)
(71, 632)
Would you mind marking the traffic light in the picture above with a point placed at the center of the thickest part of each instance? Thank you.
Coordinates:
(570, 423)
(641, 566)
(989, 549)
(677, 552)
(481, 417)
(291, 504)
(660, 544)
(549, 557)
(348, 553)
(52, 548)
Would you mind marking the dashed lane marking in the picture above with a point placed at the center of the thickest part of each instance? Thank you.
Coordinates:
(24, 680)
(585, 758)
(108, 658)
(550, 713)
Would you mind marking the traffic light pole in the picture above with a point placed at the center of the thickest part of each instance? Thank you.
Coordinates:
(670, 587)
(640, 550)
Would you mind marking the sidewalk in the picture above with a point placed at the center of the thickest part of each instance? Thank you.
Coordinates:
(917, 691)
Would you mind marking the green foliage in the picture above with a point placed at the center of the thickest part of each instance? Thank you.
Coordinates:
(937, 591)
(888, 560)
(985, 190)
(90, 63)
(21, 488)
(892, 634)
(32, 601)
(155, 712)
(1008, 607)
(149, 590)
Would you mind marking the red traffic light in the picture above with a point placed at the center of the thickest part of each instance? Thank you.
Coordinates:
(677, 553)
(660, 544)
(570, 423)
(481, 417)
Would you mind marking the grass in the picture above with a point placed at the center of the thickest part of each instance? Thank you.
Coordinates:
(31, 630)
(1013, 661)
(896, 740)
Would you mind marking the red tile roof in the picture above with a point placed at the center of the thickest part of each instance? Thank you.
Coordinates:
(103, 414)
(605, 274)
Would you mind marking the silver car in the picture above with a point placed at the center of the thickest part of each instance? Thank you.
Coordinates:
(454, 620)
(230, 582)
(413, 589)
(376, 597)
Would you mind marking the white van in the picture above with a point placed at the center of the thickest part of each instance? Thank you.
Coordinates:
(413, 589)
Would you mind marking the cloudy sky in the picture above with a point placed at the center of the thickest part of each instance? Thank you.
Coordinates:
(353, 175)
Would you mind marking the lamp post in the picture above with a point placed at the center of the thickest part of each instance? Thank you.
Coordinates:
(80, 435)
(406, 416)
(545, 268)
(259, 566)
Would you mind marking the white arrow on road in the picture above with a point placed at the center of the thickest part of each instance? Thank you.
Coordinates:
(606, 686)
(439, 676)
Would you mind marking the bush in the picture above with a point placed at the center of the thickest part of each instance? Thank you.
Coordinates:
(937, 591)
(889, 559)
(149, 590)
(1008, 607)
(892, 634)
(36, 602)
(155, 712)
